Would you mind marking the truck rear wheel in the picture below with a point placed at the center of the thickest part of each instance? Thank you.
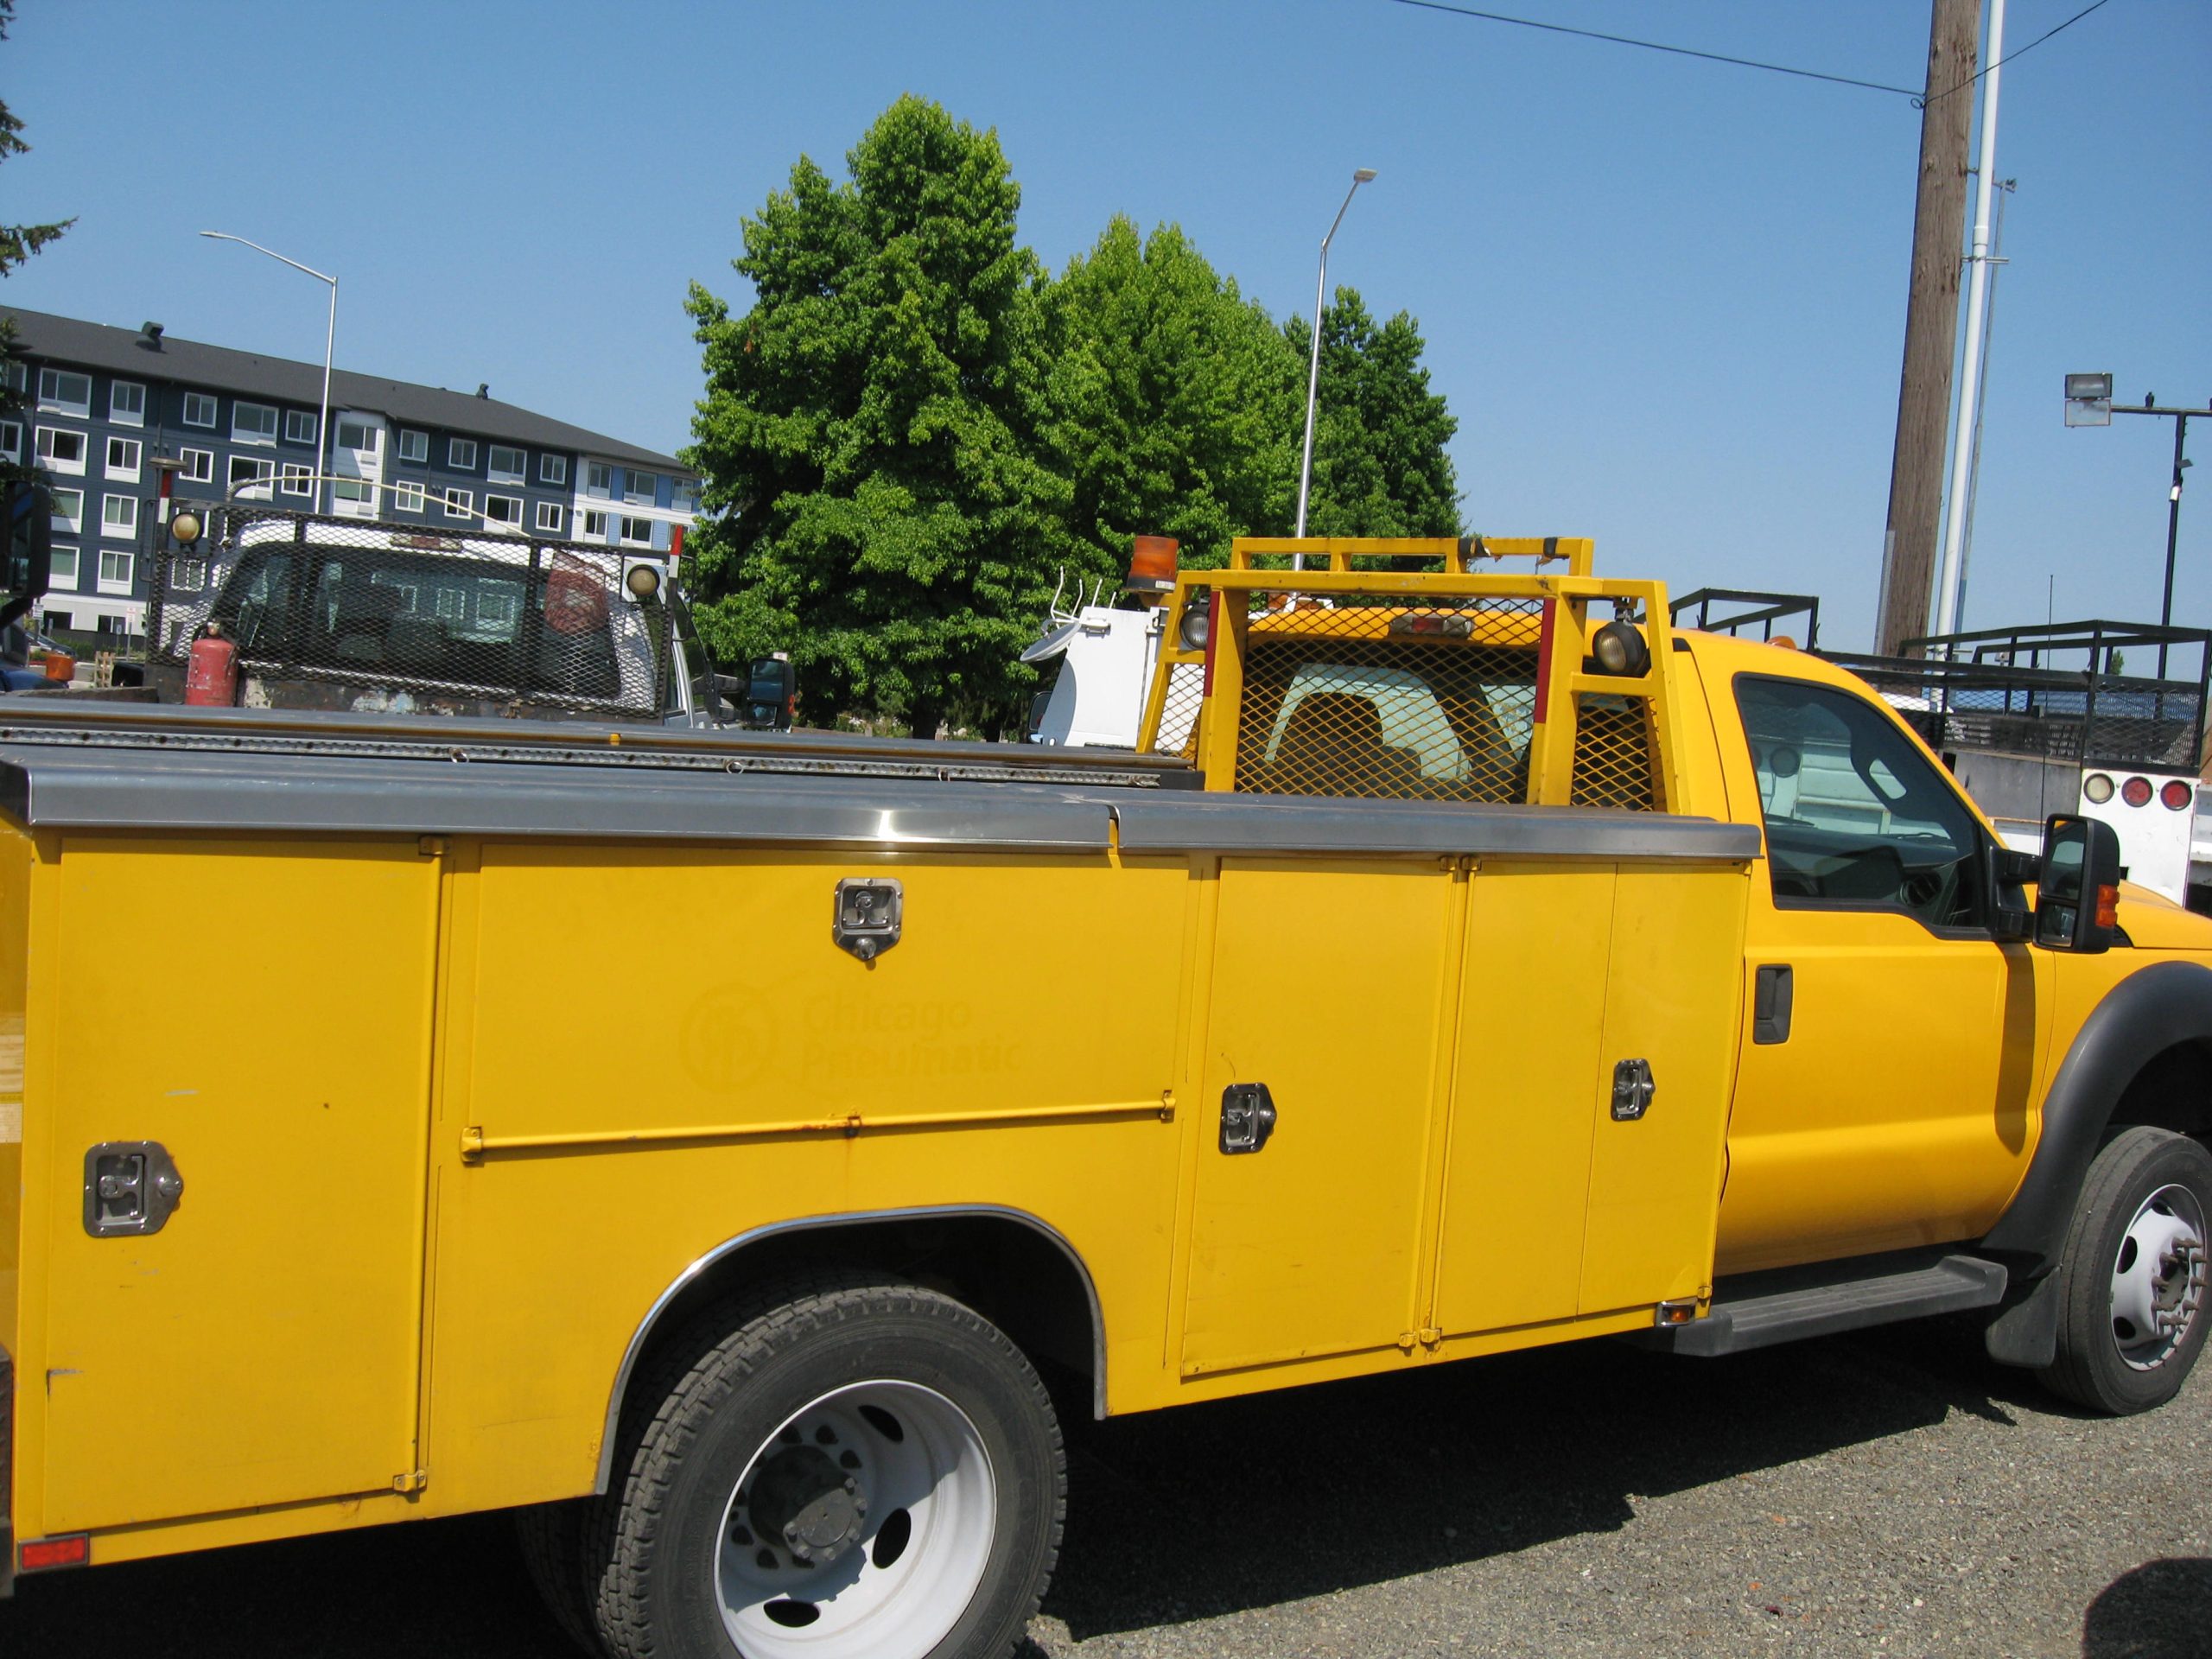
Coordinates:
(2131, 1313)
(869, 1471)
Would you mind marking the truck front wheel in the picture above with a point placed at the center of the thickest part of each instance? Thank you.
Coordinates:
(866, 1471)
(2131, 1313)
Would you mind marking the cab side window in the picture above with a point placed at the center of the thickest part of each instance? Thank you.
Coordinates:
(1856, 817)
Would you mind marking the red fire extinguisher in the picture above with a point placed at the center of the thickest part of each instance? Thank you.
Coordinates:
(212, 679)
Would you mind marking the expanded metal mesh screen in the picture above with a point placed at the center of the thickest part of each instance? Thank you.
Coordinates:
(2112, 722)
(1612, 752)
(489, 616)
(1179, 711)
(1371, 698)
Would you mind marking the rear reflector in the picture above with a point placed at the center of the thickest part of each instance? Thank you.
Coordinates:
(73, 1550)
(2136, 791)
(2177, 796)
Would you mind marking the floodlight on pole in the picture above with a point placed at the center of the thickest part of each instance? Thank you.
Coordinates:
(329, 342)
(2088, 403)
(1360, 175)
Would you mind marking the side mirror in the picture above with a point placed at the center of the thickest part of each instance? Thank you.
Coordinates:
(770, 686)
(2077, 885)
(30, 548)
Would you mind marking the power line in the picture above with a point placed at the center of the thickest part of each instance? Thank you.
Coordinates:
(1919, 98)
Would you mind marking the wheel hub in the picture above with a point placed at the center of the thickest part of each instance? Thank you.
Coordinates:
(2159, 1280)
(804, 1501)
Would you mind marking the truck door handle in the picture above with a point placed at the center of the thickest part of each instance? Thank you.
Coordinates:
(1247, 1117)
(130, 1186)
(1772, 992)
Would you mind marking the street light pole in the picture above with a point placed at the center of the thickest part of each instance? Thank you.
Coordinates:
(2088, 403)
(1360, 175)
(329, 344)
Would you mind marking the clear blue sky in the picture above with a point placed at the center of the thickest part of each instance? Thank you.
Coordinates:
(1665, 298)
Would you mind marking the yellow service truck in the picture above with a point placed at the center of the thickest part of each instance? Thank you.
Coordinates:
(1467, 961)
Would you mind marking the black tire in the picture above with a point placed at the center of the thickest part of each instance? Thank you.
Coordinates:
(2090, 1368)
(552, 1539)
(654, 1538)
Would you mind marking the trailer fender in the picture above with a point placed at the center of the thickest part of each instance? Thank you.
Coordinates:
(2164, 1005)
(698, 1278)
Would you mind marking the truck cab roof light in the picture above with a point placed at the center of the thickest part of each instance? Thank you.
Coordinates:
(1197, 623)
(1620, 649)
(1434, 625)
(1152, 565)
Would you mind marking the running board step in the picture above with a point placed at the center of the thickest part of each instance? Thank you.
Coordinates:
(1744, 1321)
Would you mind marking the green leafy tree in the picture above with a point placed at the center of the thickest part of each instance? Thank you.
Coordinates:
(1380, 466)
(867, 433)
(1171, 403)
(17, 243)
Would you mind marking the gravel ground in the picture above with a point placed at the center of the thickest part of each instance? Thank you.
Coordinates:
(1889, 1493)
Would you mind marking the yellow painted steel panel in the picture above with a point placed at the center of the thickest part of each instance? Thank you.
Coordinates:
(1539, 939)
(1655, 1181)
(1327, 981)
(263, 1010)
(15, 965)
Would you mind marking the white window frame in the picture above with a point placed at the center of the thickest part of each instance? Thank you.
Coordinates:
(258, 469)
(552, 517)
(552, 469)
(407, 497)
(128, 472)
(193, 400)
(296, 478)
(120, 516)
(354, 497)
(599, 479)
(54, 464)
(631, 493)
(187, 576)
(69, 523)
(50, 383)
(122, 558)
(455, 448)
(299, 426)
(460, 504)
(58, 575)
(116, 413)
(240, 433)
(414, 446)
(503, 510)
(199, 465)
(368, 430)
(594, 527)
(517, 473)
(644, 525)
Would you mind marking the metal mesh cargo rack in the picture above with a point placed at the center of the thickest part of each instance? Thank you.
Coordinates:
(476, 612)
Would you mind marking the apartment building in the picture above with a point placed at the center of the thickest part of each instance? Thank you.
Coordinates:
(102, 404)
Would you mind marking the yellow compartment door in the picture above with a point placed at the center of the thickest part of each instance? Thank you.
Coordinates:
(263, 1013)
(1326, 987)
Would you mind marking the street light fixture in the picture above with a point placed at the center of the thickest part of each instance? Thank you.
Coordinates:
(2088, 403)
(330, 340)
(1360, 175)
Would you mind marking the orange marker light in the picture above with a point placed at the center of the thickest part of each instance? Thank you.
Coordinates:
(1152, 565)
(2107, 906)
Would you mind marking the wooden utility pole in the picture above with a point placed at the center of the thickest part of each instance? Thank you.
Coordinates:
(1932, 321)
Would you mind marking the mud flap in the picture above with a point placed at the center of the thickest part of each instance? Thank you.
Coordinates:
(2024, 1332)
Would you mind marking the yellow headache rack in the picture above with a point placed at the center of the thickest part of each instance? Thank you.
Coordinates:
(1500, 670)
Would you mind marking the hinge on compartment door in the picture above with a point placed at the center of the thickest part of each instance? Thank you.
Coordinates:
(413, 1481)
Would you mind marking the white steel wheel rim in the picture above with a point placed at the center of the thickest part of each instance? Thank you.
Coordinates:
(918, 1522)
(2158, 1278)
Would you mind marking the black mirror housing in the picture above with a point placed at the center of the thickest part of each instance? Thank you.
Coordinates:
(765, 702)
(2077, 885)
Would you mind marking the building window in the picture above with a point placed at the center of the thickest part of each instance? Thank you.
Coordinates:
(637, 532)
(414, 446)
(598, 478)
(503, 510)
(119, 515)
(13, 376)
(126, 404)
(117, 627)
(116, 564)
(298, 480)
(123, 458)
(551, 519)
(460, 504)
(358, 435)
(407, 498)
(253, 423)
(66, 393)
(299, 426)
(594, 527)
(199, 465)
(354, 497)
(461, 454)
(246, 470)
(641, 487)
(199, 409)
(686, 497)
(62, 452)
(552, 469)
(68, 509)
(57, 621)
(11, 439)
(64, 572)
(188, 575)
(507, 465)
